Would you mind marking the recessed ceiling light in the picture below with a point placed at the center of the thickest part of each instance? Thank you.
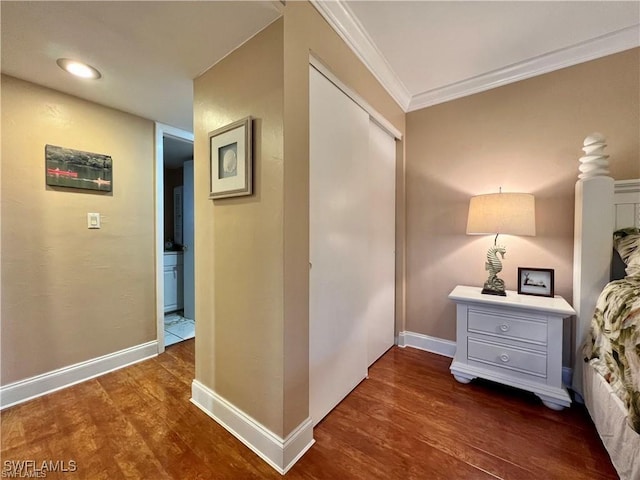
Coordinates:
(78, 69)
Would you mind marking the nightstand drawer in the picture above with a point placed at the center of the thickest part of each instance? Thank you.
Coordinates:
(514, 327)
(511, 358)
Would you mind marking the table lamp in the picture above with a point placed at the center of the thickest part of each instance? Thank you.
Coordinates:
(496, 213)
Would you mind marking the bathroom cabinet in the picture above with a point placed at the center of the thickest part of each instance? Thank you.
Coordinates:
(173, 281)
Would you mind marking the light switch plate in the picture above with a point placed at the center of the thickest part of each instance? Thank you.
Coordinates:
(93, 220)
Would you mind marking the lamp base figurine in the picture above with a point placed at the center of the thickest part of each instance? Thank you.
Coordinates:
(492, 290)
(494, 285)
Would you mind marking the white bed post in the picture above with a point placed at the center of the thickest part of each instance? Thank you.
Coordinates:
(592, 241)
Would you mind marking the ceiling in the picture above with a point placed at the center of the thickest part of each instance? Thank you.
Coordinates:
(422, 52)
(148, 52)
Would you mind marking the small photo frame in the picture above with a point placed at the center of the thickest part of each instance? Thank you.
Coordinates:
(535, 281)
(230, 160)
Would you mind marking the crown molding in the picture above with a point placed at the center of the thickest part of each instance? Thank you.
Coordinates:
(582, 52)
(343, 21)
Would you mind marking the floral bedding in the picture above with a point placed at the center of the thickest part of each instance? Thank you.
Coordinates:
(627, 243)
(613, 344)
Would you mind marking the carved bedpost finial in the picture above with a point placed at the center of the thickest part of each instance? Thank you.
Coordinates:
(595, 163)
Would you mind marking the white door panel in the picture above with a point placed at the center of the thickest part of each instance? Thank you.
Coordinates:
(381, 264)
(338, 246)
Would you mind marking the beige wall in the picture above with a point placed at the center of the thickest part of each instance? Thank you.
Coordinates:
(70, 294)
(252, 253)
(239, 244)
(523, 137)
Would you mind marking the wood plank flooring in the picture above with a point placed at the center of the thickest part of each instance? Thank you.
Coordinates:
(409, 420)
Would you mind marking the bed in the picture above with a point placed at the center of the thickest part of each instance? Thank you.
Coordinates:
(608, 312)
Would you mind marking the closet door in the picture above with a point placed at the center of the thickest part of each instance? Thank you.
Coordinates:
(382, 239)
(338, 196)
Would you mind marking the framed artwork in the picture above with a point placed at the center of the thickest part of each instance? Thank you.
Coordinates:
(65, 167)
(231, 160)
(535, 281)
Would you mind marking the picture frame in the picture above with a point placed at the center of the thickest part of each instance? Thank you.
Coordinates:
(536, 281)
(66, 167)
(230, 158)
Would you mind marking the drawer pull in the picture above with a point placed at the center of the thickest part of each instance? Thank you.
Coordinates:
(504, 327)
(504, 357)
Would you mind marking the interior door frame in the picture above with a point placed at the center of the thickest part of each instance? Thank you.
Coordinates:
(162, 131)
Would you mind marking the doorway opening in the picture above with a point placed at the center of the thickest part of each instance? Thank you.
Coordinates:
(175, 309)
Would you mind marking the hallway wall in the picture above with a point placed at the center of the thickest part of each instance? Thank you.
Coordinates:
(71, 294)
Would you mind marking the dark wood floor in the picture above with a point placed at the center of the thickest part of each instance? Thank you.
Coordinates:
(409, 420)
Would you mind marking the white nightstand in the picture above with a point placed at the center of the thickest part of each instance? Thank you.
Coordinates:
(515, 340)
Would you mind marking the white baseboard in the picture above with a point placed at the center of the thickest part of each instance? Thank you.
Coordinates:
(440, 346)
(49, 382)
(280, 453)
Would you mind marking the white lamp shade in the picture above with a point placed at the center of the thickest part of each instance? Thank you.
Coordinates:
(503, 213)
